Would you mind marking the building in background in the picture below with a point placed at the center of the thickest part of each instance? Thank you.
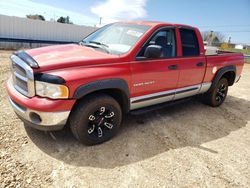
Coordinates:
(239, 46)
(16, 33)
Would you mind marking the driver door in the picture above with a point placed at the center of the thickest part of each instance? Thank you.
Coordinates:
(154, 80)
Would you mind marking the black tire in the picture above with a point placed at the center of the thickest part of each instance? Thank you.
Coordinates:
(95, 119)
(218, 95)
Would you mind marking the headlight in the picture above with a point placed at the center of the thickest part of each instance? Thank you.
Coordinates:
(54, 91)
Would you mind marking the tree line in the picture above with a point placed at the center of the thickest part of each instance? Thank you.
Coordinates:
(61, 19)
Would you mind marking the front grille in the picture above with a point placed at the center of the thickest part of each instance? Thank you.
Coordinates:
(22, 84)
(18, 69)
(23, 78)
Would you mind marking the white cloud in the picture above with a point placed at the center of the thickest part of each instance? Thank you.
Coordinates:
(113, 10)
(21, 8)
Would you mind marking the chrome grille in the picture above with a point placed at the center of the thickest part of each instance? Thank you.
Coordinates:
(23, 78)
(18, 70)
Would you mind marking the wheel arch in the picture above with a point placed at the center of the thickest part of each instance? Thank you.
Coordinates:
(228, 72)
(116, 88)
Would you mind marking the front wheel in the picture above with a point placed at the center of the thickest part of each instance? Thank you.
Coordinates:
(218, 95)
(96, 119)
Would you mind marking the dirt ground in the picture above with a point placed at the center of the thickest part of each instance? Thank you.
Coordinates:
(188, 145)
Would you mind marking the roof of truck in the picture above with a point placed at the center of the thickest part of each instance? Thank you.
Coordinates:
(155, 23)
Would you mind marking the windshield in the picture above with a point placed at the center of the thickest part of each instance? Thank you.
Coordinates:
(116, 38)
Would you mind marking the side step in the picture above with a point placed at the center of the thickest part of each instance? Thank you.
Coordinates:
(159, 106)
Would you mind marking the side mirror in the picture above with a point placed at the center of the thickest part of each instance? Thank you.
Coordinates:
(153, 51)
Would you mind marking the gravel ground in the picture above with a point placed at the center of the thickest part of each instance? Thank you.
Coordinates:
(188, 145)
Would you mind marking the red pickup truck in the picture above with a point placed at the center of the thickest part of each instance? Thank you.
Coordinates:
(120, 68)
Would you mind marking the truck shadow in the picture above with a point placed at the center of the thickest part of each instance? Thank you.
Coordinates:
(145, 136)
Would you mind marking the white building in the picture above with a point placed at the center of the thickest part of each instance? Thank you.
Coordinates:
(239, 46)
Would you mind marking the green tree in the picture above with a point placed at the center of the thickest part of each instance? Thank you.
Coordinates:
(36, 17)
(64, 20)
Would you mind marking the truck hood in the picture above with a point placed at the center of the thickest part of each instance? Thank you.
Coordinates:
(64, 56)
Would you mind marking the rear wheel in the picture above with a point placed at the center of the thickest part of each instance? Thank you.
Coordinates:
(96, 119)
(218, 95)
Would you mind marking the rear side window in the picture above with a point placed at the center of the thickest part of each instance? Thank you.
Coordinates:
(190, 46)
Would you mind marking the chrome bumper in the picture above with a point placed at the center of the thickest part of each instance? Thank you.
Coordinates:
(40, 119)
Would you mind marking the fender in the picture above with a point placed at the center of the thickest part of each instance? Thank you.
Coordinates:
(91, 87)
(220, 73)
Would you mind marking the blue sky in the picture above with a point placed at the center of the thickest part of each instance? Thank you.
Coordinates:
(230, 17)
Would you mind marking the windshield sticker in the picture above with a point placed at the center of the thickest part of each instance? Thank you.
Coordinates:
(134, 33)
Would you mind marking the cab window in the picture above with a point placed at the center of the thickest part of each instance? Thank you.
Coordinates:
(164, 38)
(189, 41)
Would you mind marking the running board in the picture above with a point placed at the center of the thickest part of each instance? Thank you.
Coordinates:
(159, 106)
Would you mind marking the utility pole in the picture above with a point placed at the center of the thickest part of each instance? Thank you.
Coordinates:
(100, 22)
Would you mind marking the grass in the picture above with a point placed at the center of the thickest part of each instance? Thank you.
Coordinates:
(246, 52)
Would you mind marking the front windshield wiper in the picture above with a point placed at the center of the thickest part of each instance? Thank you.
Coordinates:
(99, 43)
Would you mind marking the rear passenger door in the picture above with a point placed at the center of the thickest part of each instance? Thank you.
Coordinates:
(192, 63)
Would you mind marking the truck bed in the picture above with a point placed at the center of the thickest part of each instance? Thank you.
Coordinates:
(223, 59)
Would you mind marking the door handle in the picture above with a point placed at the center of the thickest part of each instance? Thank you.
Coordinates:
(173, 67)
(200, 64)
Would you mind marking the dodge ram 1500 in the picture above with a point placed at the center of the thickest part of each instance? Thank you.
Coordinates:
(119, 68)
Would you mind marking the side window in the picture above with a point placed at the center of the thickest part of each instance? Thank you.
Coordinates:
(164, 38)
(190, 45)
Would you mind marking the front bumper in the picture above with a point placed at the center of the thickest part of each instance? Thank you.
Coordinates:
(39, 113)
(46, 121)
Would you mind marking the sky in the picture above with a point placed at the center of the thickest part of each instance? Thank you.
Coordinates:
(230, 17)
